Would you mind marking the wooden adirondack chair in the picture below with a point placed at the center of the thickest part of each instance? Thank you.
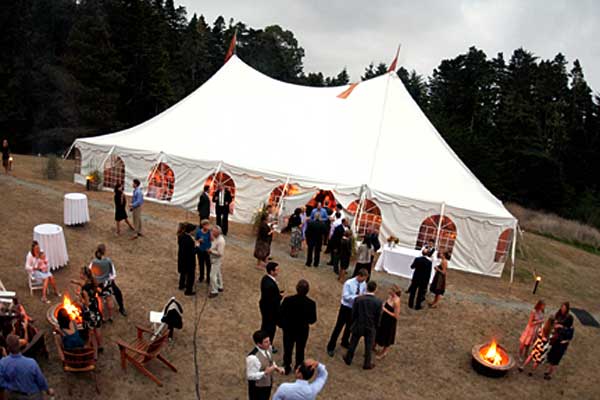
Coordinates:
(77, 360)
(141, 351)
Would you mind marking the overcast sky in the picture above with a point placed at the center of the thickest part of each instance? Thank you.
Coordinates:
(351, 33)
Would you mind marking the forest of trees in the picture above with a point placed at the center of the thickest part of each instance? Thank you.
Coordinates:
(528, 128)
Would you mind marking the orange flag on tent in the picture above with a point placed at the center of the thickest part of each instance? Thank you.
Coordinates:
(394, 63)
(231, 50)
(346, 93)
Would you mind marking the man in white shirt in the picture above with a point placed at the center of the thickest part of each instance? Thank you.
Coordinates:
(260, 367)
(302, 389)
(217, 251)
(353, 288)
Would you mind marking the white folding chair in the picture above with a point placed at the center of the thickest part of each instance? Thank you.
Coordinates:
(33, 283)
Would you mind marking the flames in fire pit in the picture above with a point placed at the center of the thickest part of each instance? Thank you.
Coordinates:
(72, 308)
(491, 359)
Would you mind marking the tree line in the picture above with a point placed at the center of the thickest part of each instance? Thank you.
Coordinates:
(528, 128)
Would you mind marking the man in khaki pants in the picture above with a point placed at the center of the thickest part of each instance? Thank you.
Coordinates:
(136, 208)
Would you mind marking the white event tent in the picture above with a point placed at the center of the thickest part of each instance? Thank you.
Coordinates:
(375, 145)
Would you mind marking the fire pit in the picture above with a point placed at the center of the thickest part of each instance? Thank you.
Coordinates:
(491, 359)
(72, 308)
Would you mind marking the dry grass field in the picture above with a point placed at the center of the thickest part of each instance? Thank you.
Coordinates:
(431, 357)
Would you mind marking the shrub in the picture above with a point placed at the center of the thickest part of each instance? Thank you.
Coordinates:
(52, 168)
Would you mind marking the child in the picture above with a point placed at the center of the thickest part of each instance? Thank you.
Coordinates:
(42, 262)
(540, 346)
(345, 254)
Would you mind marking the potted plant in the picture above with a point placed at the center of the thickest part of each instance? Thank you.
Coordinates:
(94, 180)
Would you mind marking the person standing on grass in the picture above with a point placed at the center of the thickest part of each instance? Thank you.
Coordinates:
(121, 208)
(302, 389)
(203, 243)
(314, 240)
(222, 199)
(366, 314)
(217, 252)
(563, 334)
(364, 253)
(386, 332)
(262, 247)
(536, 319)
(204, 205)
(270, 301)
(344, 254)
(420, 279)
(186, 260)
(353, 288)
(295, 228)
(5, 156)
(438, 285)
(260, 367)
(136, 208)
(20, 376)
(540, 346)
(297, 313)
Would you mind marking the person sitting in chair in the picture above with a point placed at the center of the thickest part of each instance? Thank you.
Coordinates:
(105, 273)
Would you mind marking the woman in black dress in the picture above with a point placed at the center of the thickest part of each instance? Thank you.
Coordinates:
(121, 208)
(438, 284)
(563, 334)
(386, 332)
(92, 317)
(186, 258)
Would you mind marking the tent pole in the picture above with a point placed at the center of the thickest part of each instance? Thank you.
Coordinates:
(439, 227)
(283, 192)
(66, 155)
(107, 155)
(513, 254)
(359, 210)
(212, 182)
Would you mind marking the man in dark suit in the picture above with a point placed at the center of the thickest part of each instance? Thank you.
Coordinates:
(366, 313)
(204, 204)
(222, 199)
(296, 314)
(270, 301)
(335, 243)
(315, 229)
(420, 279)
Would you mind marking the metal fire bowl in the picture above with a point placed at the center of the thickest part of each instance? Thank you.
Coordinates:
(485, 368)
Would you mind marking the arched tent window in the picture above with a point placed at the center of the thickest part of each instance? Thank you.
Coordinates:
(114, 171)
(429, 231)
(76, 155)
(161, 182)
(503, 246)
(370, 216)
(223, 178)
(325, 197)
(282, 191)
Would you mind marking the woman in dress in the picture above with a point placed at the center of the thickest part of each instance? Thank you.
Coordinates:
(540, 346)
(536, 319)
(262, 248)
(438, 284)
(68, 329)
(92, 318)
(121, 208)
(39, 271)
(386, 332)
(563, 334)
(294, 225)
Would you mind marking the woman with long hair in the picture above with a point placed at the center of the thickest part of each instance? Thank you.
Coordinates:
(37, 267)
(92, 318)
(68, 329)
(536, 319)
(540, 346)
(295, 227)
(563, 334)
(262, 248)
(438, 284)
(121, 208)
(386, 332)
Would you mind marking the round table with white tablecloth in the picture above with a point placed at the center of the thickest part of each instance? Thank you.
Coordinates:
(397, 260)
(52, 240)
(76, 209)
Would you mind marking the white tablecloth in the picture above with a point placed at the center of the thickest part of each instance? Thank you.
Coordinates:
(76, 209)
(52, 240)
(397, 261)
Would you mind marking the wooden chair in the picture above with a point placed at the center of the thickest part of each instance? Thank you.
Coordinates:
(76, 360)
(34, 284)
(141, 351)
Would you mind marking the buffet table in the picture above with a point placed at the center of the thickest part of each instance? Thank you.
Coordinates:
(397, 261)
